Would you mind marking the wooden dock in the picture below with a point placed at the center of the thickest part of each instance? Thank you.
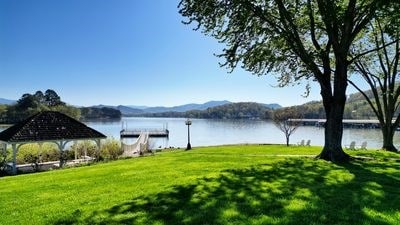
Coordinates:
(347, 123)
(155, 133)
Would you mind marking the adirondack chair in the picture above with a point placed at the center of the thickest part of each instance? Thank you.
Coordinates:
(363, 146)
(308, 143)
(352, 146)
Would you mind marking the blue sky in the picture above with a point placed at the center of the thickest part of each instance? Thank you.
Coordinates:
(128, 52)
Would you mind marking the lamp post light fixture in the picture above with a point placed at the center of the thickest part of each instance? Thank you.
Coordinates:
(188, 122)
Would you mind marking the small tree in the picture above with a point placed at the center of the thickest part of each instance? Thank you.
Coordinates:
(281, 120)
(381, 71)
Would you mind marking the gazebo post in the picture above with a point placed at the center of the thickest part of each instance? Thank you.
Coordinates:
(98, 143)
(61, 146)
(85, 153)
(75, 151)
(14, 166)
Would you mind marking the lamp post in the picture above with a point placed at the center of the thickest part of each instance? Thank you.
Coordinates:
(188, 123)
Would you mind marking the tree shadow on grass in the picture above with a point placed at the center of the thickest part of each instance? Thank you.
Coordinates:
(290, 191)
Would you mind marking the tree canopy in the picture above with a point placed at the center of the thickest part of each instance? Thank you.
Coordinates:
(379, 68)
(29, 105)
(292, 39)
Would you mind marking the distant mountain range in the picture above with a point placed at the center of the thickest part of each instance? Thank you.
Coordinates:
(133, 110)
(184, 108)
(4, 101)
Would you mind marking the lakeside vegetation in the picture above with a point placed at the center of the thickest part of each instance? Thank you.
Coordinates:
(240, 110)
(93, 113)
(356, 108)
(239, 184)
(31, 104)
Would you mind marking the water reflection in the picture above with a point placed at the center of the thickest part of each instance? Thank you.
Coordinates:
(206, 132)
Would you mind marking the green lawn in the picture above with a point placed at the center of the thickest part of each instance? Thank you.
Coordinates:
(248, 184)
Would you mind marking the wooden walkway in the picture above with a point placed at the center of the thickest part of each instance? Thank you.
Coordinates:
(138, 148)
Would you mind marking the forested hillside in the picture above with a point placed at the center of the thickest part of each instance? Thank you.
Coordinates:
(31, 104)
(89, 113)
(356, 108)
(241, 110)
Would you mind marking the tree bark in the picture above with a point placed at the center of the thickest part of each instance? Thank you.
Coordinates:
(332, 150)
(334, 103)
(287, 140)
(388, 132)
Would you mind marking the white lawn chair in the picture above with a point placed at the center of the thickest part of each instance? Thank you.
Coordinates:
(308, 143)
(352, 146)
(301, 143)
(363, 146)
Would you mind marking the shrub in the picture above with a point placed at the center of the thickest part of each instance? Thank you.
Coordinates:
(33, 153)
(51, 154)
(83, 146)
(110, 150)
(3, 159)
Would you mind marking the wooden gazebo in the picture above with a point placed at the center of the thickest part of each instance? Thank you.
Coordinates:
(48, 126)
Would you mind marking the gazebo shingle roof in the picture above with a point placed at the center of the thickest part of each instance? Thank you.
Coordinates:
(49, 126)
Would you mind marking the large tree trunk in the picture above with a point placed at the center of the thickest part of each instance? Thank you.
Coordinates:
(334, 103)
(388, 132)
(332, 150)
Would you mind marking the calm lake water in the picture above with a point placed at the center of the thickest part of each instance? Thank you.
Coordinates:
(204, 132)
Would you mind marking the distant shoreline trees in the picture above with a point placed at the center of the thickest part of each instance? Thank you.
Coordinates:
(356, 108)
(241, 110)
(31, 104)
(92, 113)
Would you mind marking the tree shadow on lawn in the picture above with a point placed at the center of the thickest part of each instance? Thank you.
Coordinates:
(290, 191)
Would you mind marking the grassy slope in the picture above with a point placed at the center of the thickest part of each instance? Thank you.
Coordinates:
(213, 185)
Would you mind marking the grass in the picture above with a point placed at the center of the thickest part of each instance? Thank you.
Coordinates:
(246, 184)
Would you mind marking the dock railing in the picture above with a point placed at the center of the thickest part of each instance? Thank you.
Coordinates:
(152, 132)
